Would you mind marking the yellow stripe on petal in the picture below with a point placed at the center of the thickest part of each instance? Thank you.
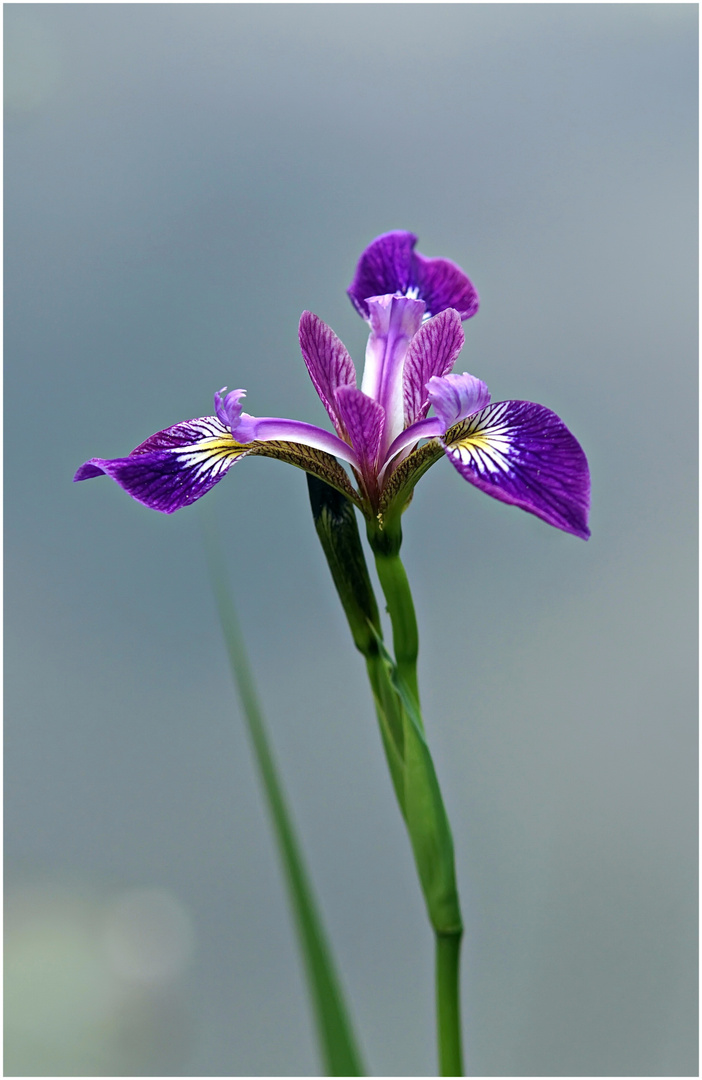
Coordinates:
(213, 455)
(523, 454)
(484, 440)
(176, 466)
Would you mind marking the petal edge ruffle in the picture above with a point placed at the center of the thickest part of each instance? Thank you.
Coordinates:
(390, 265)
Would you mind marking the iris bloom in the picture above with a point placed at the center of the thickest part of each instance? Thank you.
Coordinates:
(516, 451)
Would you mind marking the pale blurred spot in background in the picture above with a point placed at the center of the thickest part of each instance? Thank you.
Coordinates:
(93, 980)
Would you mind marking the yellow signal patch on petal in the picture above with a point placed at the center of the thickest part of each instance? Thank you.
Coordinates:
(174, 467)
(484, 440)
(214, 455)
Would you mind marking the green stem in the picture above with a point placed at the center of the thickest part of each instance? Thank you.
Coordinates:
(336, 1039)
(405, 636)
(448, 1013)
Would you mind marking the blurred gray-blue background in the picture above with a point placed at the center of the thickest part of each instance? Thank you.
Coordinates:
(181, 182)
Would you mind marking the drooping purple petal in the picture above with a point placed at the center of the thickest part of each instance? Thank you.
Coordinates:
(328, 361)
(363, 419)
(174, 467)
(390, 265)
(394, 322)
(523, 454)
(432, 351)
(454, 397)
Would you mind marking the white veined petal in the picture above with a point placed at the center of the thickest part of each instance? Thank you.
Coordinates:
(522, 453)
(487, 444)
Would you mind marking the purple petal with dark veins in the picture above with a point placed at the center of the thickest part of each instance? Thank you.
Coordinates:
(390, 265)
(432, 351)
(384, 267)
(174, 467)
(454, 397)
(328, 361)
(442, 284)
(523, 454)
(363, 419)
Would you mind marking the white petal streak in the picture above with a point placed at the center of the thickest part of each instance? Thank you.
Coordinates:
(487, 444)
(203, 445)
(210, 456)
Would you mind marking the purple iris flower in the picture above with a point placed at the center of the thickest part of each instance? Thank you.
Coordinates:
(516, 451)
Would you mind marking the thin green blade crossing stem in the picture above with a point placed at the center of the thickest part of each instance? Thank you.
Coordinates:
(337, 1044)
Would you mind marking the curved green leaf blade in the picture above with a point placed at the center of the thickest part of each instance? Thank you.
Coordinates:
(335, 1034)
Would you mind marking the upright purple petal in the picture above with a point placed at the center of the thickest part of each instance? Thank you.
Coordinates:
(363, 419)
(432, 351)
(454, 397)
(328, 361)
(390, 265)
(174, 467)
(523, 454)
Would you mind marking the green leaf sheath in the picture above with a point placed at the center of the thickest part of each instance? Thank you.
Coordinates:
(428, 824)
(337, 1043)
(391, 722)
(337, 529)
